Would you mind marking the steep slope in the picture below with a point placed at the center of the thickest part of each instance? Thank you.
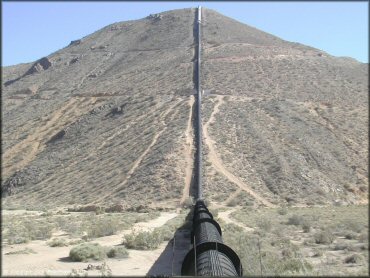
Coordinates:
(105, 123)
(294, 122)
(106, 119)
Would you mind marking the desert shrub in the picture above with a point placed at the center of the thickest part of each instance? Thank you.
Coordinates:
(350, 235)
(295, 220)
(87, 208)
(265, 224)
(46, 213)
(353, 259)
(287, 253)
(86, 251)
(144, 217)
(41, 232)
(77, 241)
(103, 227)
(143, 240)
(117, 252)
(363, 237)
(306, 226)
(295, 265)
(26, 230)
(17, 239)
(22, 251)
(352, 225)
(166, 232)
(317, 253)
(232, 202)
(341, 246)
(324, 237)
(57, 242)
(283, 210)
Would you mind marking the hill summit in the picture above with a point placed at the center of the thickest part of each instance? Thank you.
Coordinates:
(108, 120)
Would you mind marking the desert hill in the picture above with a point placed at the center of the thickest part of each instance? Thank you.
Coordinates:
(108, 119)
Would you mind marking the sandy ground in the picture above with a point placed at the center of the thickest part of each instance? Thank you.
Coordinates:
(54, 260)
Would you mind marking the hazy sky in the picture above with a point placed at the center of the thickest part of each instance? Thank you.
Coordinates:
(35, 29)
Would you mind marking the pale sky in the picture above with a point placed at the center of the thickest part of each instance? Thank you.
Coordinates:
(31, 30)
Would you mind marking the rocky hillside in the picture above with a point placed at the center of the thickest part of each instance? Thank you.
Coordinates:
(108, 119)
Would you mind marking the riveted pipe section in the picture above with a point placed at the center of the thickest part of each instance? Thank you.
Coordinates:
(209, 255)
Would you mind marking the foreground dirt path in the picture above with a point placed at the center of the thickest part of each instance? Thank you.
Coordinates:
(225, 216)
(188, 153)
(217, 162)
(54, 260)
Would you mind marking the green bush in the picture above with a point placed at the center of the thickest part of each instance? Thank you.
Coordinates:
(26, 230)
(283, 210)
(306, 226)
(143, 240)
(324, 237)
(86, 251)
(295, 220)
(117, 252)
(341, 246)
(265, 224)
(57, 242)
(350, 235)
(232, 203)
(23, 251)
(363, 237)
(17, 239)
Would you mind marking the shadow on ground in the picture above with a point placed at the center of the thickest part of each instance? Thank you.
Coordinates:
(170, 261)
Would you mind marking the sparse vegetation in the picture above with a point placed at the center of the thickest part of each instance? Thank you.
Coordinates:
(324, 231)
(24, 230)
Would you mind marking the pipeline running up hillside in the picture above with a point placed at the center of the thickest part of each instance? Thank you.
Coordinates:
(209, 256)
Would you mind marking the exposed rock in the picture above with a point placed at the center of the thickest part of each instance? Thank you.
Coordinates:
(75, 42)
(39, 66)
(57, 136)
(74, 60)
(155, 16)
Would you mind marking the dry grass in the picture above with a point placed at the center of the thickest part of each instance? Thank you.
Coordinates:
(291, 248)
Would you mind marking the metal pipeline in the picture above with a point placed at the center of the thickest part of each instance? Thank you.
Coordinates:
(209, 255)
(199, 108)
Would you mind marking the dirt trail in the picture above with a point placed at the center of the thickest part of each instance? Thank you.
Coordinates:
(188, 153)
(26, 150)
(217, 162)
(225, 216)
(53, 261)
